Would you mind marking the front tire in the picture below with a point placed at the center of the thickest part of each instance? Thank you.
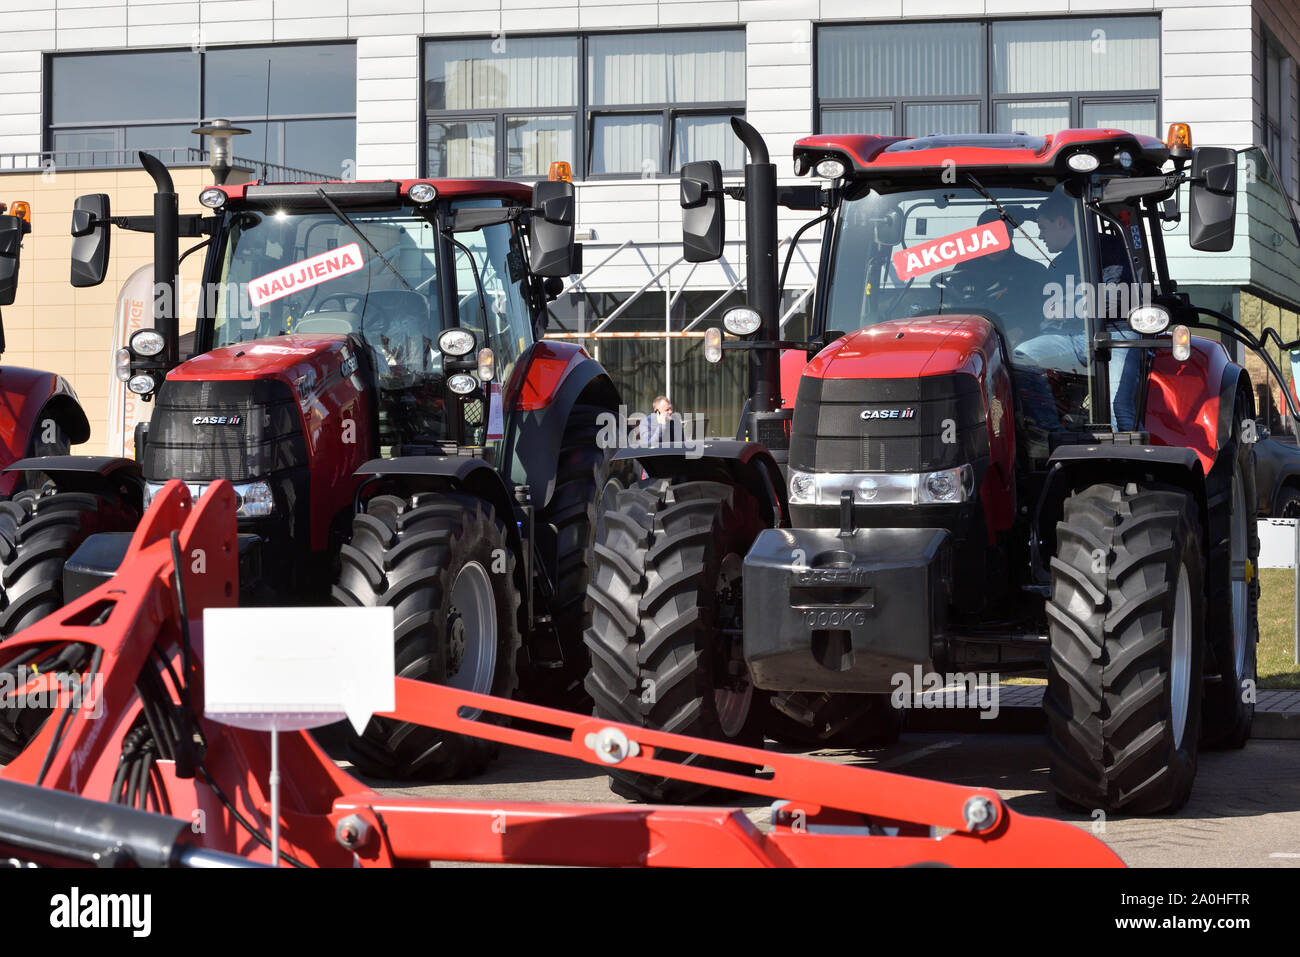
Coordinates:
(580, 470)
(39, 531)
(1126, 622)
(443, 562)
(1233, 593)
(666, 620)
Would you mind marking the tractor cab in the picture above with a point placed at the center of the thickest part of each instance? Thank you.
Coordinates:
(393, 275)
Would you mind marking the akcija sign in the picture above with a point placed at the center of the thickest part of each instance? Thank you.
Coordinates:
(952, 249)
(304, 274)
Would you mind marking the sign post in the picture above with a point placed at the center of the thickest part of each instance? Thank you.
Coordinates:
(289, 669)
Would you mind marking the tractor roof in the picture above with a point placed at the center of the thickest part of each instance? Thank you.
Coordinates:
(866, 155)
(375, 190)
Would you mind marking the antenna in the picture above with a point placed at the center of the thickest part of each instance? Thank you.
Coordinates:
(266, 128)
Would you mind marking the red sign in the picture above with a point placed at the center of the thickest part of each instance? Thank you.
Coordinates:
(952, 249)
(302, 275)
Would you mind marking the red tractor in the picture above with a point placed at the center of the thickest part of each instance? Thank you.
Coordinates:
(367, 372)
(1002, 451)
(39, 416)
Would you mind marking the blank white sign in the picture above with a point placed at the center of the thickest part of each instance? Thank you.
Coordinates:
(293, 668)
(1277, 542)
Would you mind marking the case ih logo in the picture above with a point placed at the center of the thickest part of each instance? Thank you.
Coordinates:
(217, 420)
(888, 414)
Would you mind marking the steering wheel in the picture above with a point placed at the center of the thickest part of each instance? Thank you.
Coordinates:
(965, 290)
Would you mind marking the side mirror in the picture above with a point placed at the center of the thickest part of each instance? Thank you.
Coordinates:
(550, 248)
(1213, 199)
(827, 337)
(703, 227)
(11, 238)
(90, 231)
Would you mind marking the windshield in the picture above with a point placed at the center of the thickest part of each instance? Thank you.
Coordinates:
(311, 272)
(951, 251)
(1010, 254)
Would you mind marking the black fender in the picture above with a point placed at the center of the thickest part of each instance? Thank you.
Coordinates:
(533, 441)
(87, 473)
(66, 411)
(748, 464)
(1072, 467)
(409, 474)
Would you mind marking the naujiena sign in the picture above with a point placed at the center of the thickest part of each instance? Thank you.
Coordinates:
(309, 272)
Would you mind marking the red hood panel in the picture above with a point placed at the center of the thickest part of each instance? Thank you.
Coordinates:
(261, 358)
(906, 349)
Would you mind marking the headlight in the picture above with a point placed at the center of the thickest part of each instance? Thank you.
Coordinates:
(947, 486)
(423, 193)
(1149, 320)
(741, 321)
(1083, 162)
(462, 384)
(830, 169)
(122, 364)
(147, 342)
(456, 342)
(141, 384)
(803, 488)
(212, 198)
(255, 500)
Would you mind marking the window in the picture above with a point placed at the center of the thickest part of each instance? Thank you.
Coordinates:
(1035, 76)
(901, 79)
(1277, 76)
(299, 101)
(612, 105)
(500, 107)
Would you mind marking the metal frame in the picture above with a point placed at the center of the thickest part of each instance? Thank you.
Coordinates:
(827, 815)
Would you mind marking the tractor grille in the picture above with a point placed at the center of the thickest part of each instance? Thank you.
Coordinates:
(236, 430)
(938, 424)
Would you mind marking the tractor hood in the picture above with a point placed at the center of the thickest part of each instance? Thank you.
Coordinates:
(908, 349)
(282, 357)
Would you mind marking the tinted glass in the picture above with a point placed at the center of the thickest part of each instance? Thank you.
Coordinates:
(303, 79)
(125, 87)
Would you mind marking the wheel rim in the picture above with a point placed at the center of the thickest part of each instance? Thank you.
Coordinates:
(733, 694)
(1180, 670)
(471, 632)
(1237, 562)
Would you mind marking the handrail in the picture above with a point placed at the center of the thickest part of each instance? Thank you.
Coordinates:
(632, 298)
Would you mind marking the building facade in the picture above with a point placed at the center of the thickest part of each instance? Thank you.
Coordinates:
(624, 91)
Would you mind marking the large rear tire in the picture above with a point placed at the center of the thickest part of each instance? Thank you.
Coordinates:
(580, 473)
(39, 531)
(1126, 619)
(443, 563)
(666, 622)
(1233, 591)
